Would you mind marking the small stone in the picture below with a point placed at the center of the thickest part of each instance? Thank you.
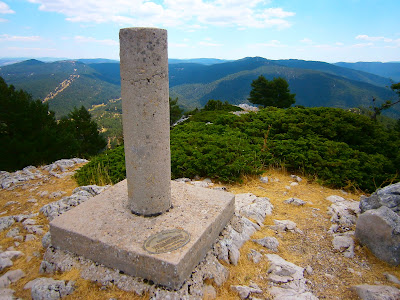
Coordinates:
(11, 277)
(294, 184)
(234, 255)
(245, 291)
(345, 244)
(209, 292)
(32, 200)
(6, 222)
(36, 229)
(254, 256)
(297, 178)
(309, 270)
(270, 243)
(183, 180)
(376, 292)
(264, 179)
(392, 278)
(48, 288)
(334, 199)
(43, 194)
(46, 240)
(5, 263)
(30, 237)
(7, 294)
(295, 201)
(13, 232)
(29, 222)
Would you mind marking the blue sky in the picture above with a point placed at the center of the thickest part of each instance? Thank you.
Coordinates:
(324, 30)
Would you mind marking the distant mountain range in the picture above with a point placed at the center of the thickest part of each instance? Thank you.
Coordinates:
(389, 70)
(93, 82)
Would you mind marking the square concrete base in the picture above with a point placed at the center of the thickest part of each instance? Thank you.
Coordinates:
(104, 230)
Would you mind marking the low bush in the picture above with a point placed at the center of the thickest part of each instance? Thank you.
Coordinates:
(336, 147)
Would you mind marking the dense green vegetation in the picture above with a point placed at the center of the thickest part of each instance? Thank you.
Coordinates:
(333, 146)
(31, 135)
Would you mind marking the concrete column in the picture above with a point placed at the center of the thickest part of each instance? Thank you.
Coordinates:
(145, 106)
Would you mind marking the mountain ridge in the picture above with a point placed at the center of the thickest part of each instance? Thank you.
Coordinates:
(315, 83)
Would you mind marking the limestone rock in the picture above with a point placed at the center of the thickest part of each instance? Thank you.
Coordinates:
(11, 277)
(6, 222)
(287, 279)
(245, 291)
(46, 240)
(234, 235)
(392, 278)
(8, 180)
(49, 289)
(22, 217)
(285, 225)
(209, 292)
(376, 292)
(11, 254)
(379, 230)
(343, 213)
(5, 263)
(289, 294)
(344, 244)
(80, 195)
(297, 178)
(270, 243)
(295, 201)
(7, 294)
(264, 179)
(253, 207)
(388, 196)
(254, 256)
(203, 184)
(13, 232)
(282, 271)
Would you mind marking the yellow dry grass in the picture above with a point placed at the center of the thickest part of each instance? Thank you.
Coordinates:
(332, 276)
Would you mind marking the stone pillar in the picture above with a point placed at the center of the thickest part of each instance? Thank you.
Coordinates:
(145, 107)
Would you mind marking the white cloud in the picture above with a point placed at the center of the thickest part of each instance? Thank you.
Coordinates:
(362, 45)
(14, 38)
(107, 42)
(178, 45)
(5, 9)
(40, 50)
(174, 13)
(3, 20)
(306, 41)
(209, 44)
(373, 38)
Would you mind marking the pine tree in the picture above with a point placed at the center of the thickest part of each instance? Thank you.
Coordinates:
(271, 92)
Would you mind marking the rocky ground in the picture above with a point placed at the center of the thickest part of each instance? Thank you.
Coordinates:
(289, 239)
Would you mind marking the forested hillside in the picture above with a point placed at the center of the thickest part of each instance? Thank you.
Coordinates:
(388, 70)
(65, 84)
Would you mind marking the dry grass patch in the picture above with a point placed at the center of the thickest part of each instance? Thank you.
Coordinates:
(332, 275)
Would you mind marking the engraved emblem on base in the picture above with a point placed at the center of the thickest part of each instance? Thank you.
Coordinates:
(166, 241)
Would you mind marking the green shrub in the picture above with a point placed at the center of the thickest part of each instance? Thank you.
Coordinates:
(338, 148)
(106, 168)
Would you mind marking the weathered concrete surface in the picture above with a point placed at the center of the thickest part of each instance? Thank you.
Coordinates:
(145, 106)
(102, 229)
